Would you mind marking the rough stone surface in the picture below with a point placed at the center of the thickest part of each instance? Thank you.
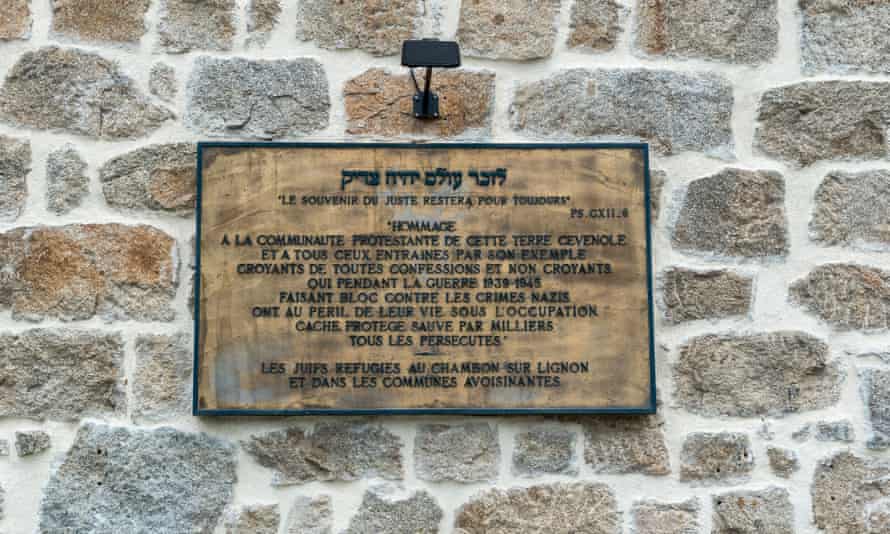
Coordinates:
(846, 491)
(826, 120)
(846, 296)
(253, 519)
(658, 179)
(15, 20)
(596, 24)
(77, 92)
(15, 164)
(196, 25)
(620, 444)
(378, 103)
(782, 462)
(875, 384)
(827, 431)
(387, 509)
(724, 458)
(545, 450)
(79, 271)
(766, 511)
(852, 208)
(877, 518)
(162, 81)
(61, 374)
(375, 27)
(689, 295)
(262, 99)
(262, 17)
(843, 37)
(31, 442)
(773, 374)
(513, 29)
(334, 451)
(733, 31)
(734, 213)
(576, 507)
(104, 21)
(311, 515)
(653, 517)
(463, 453)
(66, 181)
(674, 111)
(116, 479)
(158, 177)
(162, 379)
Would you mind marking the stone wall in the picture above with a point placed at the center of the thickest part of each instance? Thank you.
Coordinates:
(768, 121)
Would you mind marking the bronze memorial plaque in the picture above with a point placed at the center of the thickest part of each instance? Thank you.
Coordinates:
(381, 278)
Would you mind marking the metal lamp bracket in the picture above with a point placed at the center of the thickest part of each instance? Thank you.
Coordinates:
(426, 102)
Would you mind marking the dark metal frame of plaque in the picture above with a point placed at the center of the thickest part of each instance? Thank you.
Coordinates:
(651, 409)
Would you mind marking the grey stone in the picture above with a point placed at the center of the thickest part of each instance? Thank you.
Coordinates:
(877, 517)
(545, 450)
(387, 509)
(653, 517)
(782, 462)
(162, 82)
(253, 519)
(76, 92)
(262, 17)
(334, 451)
(378, 28)
(61, 374)
(766, 511)
(196, 25)
(162, 379)
(116, 479)
(826, 120)
(464, 453)
(689, 295)
(658, 180)
(733, 31)
(841, 431)
(596, 24)
(626, 444)
(4, 447)
(157, 177)
(513, 29)
(15, 164)
(844, 37)
(724, 458)
(102, 21)
(31, 442)
(262, 99)
(674, 111)
(846, 296)
(852, 208)
(311, 515)
(875, 384)
(734, 213)
(773, 374)
(845, 489)
(15, 20)
(585, 507)
(76, 272)
(66, 181)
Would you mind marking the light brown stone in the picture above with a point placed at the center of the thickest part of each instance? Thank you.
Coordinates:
(853, 208)
(15, 164)
(78, 271)
(845, 489)
(596, 24)
(196, 25)
(157, 177)
(766, 511)
(724, 458)
(508, 29)
(782, 462)
(379, 103)
(689, 295)
(162, 380)
(625, 444)
(109, 21)
(654, 517)
(846, 296)
(15, 20)
(377, 27)
(262, 17)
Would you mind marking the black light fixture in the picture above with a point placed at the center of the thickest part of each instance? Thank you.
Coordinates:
(429, 53)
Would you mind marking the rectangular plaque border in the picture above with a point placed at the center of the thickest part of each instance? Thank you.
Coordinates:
(650, 409)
